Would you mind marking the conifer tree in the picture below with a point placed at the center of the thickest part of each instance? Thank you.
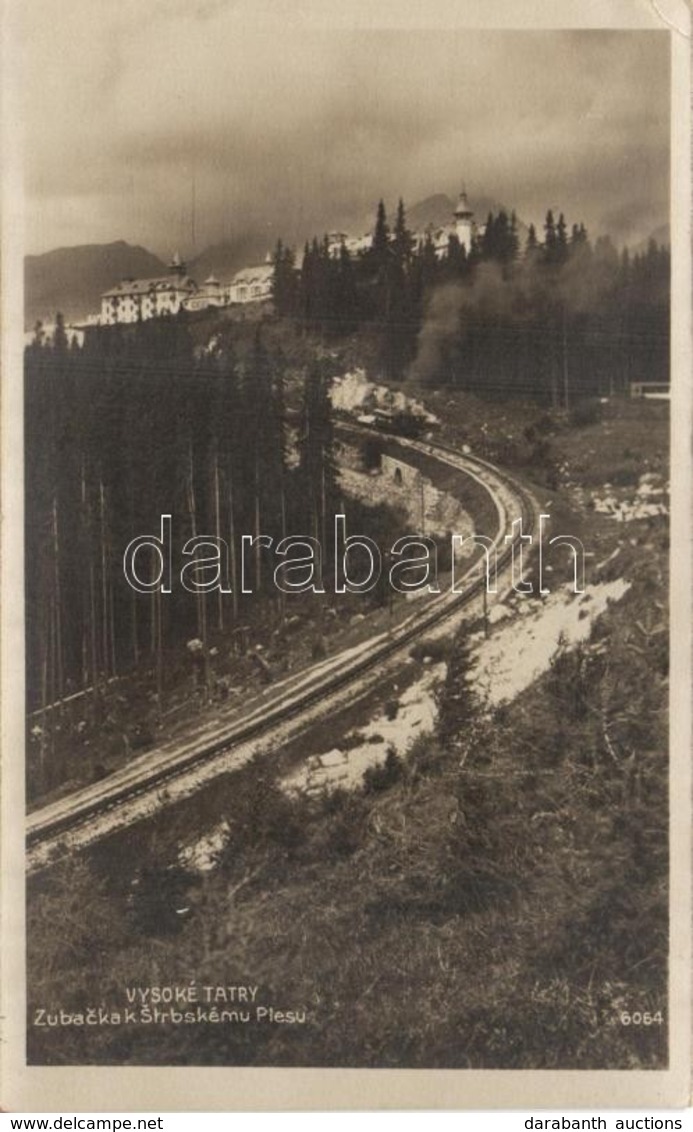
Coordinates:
(381, 239)
(459, 704)
(284, 284)
(561, 240)
(317, 463)
(549, 238)
(402, 241)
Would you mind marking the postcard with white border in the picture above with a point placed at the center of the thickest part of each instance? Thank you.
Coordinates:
(346, 554)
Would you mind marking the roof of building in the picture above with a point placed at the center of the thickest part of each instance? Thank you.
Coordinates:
(249, 275)
(144, 286)
(463, 208)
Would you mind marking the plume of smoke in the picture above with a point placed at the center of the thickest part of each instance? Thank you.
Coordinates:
(440, 325)
(525, 294)
(448, 308)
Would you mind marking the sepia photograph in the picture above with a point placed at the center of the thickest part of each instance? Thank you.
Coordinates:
(352, 420)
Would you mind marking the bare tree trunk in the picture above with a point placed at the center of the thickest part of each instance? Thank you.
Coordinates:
(58, 602)
(106, 649)
(85, 650)
(134, 627)
(282, 506)
(152, 614)
(217, 526)
(134, 622)
(258, 558)
(201, 597)
(87, 526)
(52, 691)
(159, 657)
(323, 505)
(44, 715)
(232, 542)
(111, 616)
(92, 625)
(564, 344)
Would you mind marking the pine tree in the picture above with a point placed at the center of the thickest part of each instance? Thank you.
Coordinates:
(503, 253)
(317, 464)
(429, 262)
(402, 240)
(284, 283)
(346, 293)
(488, 240)
(459, 704)
(380, 247)
(455, 260)
(561, 240)
(60, 343)
(549, 238)
(306, 288)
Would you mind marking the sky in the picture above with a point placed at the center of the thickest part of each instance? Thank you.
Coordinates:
(135, 108)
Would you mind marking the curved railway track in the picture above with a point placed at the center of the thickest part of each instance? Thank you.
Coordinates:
(45, 827)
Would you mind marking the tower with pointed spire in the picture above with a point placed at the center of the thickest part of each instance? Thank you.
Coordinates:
(177, 266)
(464, 221)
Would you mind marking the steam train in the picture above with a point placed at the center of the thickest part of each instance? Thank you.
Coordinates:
(401, 422)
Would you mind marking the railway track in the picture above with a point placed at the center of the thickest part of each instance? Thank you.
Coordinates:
(297, 696)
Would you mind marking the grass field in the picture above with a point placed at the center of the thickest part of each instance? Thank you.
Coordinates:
(497, 899)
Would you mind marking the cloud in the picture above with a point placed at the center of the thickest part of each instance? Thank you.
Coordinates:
(287, 129)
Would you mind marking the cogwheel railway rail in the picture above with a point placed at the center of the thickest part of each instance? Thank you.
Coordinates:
(83, 807)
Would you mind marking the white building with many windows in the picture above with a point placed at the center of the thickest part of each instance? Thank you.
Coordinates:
(210, 294)
(251, 284)
(133, 300)
(463, 226)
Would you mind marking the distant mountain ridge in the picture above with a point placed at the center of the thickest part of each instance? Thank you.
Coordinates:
(226, 258)
(437, 211)
(661, 237)
(72, 280)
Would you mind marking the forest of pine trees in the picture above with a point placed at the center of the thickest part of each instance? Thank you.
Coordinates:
(556, 320)
(138, 422)
(133, 425)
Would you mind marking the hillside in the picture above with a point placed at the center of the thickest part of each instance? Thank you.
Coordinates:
(661, 236)
(509, 864)
(71, 280)
(437, 210)
(226, 258)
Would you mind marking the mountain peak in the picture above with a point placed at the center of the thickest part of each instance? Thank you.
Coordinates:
(72, 280)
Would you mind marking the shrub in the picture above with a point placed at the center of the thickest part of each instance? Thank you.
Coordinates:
(625, 477)
(378, 778)
(347, 830)
(391, 710)
(584, 413)
(437, 650)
